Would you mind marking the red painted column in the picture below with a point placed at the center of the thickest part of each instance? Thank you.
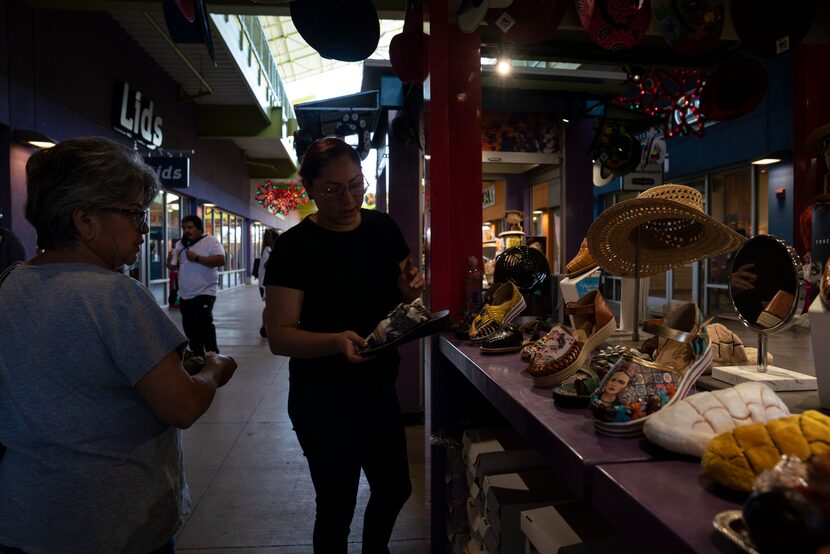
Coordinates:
(811, 110)
(453, 194)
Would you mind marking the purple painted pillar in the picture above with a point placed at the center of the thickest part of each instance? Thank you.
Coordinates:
(579, 194)
(404, 205)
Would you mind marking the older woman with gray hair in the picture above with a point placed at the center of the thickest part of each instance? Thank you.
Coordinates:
(92, 387)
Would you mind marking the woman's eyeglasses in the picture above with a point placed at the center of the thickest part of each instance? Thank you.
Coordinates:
(140, 216)
(335, 192)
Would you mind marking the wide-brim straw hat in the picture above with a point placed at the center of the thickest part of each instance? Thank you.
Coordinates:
(674, 231)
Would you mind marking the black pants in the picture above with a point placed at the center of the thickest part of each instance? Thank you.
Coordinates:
(343, 429)
(197, 320)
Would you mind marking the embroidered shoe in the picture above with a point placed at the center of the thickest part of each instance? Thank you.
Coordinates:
(554, 358)
(582, 262)
(507, 304)
(407, 322)
(635, 388)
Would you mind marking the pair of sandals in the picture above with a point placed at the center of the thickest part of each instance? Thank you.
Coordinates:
(636, 387)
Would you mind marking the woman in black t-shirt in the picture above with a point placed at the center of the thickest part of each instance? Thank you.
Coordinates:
(336, 275)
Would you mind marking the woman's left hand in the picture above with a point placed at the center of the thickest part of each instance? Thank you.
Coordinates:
(410, 282)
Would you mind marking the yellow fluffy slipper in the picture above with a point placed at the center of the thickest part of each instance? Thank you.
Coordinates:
(736, 458)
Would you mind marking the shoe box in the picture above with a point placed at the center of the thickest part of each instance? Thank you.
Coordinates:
(546, 531)
(507, 495)
(494, 450)
(820, 336)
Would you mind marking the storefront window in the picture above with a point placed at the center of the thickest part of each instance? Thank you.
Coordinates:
(174, 220)
(730, 202)
(208, 221)
(155, 239)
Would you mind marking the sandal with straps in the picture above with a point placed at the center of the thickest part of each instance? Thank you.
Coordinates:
(592, 317)
(635, 388)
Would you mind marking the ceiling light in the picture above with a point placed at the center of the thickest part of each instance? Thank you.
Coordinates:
(209, 205)
(427, 157)
(766, 161)
(565, 120)
(503, 67)
(32, 138)
(538, 212)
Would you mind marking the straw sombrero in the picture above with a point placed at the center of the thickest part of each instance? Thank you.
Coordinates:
(674, 231)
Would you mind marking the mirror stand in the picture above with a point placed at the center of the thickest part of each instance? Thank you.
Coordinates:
(767, 294)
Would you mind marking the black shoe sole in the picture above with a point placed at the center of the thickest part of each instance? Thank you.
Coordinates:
(435, 324)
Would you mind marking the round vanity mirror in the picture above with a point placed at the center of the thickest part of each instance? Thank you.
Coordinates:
(766, 288)
(765, 284)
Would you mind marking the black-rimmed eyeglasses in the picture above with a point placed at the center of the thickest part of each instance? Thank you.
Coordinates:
(334, 192)
(141, 217)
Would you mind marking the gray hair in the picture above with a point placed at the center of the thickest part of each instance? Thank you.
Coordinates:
(85, 173)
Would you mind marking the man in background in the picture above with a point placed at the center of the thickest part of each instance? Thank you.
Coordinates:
(197, 257)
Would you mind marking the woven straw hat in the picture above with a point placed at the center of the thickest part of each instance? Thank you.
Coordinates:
(674, 231)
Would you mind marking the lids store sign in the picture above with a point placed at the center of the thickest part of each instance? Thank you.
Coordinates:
(134, 115)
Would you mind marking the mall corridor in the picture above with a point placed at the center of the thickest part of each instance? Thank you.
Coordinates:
(249, 481)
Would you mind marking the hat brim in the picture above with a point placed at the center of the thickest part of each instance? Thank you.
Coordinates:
(612, 244)
(470, 16)
(322, 24)
(742, 73)
(761, 25)
(528, 21)
(815, 138)
(682, 34)
(613, 35)
(601, 176)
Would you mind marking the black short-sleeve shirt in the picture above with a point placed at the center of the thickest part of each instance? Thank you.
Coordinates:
(349, 280)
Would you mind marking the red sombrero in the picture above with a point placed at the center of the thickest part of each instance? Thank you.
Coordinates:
(692, 27)
(615, 24)
(769, 27)
(734, 89)
(527, 21)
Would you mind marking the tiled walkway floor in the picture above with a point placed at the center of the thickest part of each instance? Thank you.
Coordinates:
(249, 481)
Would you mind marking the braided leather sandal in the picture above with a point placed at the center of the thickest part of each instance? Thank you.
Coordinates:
(636, 388)
(507, 304)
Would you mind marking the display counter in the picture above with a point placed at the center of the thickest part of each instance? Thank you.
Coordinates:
(640, 489)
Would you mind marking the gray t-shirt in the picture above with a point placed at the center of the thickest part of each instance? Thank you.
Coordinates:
(89, 467)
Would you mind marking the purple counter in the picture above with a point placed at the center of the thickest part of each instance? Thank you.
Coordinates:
(565, 437)
(643, 491)
(676, 495)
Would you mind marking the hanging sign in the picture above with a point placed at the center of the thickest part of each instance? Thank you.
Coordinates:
(134, 116)
(171, 172)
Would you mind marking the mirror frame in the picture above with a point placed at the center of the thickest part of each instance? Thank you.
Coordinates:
(799, 294)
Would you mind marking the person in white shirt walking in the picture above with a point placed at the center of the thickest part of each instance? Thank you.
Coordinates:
(198, 257)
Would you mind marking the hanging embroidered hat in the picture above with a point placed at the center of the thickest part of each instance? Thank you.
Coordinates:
(734, 89)
(615, 24)
(342, 30)
(188, 22)
(692, 27)
(409, 50)
(527, 21)
(769, 28)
